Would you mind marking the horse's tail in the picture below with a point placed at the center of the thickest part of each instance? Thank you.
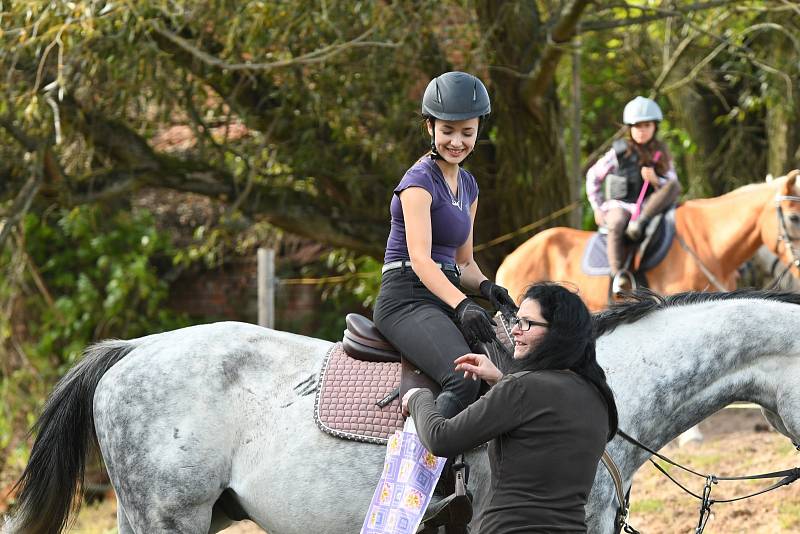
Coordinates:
(65, 435)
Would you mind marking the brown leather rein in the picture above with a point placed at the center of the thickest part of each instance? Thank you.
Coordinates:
(787, 476)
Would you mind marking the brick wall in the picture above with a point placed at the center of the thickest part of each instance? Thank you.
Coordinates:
(230, 293)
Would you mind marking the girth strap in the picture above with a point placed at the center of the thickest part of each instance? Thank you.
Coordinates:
(613, 470)
(621, 519)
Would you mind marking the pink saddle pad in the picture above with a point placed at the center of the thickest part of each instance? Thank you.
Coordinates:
(347, 395)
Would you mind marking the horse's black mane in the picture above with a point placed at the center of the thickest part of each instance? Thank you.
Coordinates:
(643, 302)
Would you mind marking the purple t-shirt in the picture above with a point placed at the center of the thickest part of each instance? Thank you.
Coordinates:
(450, 217)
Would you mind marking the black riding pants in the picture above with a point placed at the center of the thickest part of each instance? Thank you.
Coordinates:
(421, 326)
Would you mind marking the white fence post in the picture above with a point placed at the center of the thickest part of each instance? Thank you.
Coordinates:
(266, 287)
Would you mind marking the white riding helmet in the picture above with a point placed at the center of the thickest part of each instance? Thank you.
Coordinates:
(641, 109)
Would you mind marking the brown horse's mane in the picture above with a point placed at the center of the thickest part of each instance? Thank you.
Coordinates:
(644, 302)
(734, 195)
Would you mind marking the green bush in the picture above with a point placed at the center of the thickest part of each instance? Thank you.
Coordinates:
(81, 275)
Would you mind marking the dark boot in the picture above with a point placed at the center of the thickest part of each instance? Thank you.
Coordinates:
(616, 222)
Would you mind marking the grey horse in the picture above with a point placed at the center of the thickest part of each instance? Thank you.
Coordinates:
(210, 423)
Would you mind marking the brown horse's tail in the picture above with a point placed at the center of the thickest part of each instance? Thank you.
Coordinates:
(65, 436)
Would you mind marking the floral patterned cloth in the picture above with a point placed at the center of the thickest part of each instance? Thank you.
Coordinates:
(404, 490)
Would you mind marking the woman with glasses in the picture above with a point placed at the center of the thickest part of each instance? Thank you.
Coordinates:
(548, 419)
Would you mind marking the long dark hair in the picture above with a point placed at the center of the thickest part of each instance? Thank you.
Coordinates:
(647, 153)
(569, 342)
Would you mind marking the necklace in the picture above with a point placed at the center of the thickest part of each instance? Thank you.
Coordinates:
(455, 200)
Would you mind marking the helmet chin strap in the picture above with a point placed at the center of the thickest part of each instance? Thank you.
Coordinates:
(434, 153)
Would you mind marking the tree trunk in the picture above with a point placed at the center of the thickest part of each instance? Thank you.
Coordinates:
(530, 177)
(694, 114)
(783, 108)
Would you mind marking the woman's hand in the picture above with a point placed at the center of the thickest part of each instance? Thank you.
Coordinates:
(404, 402)
(474, 322)
(477, 366)
(499, 297)
(649, 174)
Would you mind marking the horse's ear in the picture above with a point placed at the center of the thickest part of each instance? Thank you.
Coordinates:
(791, 183)
(769, 178)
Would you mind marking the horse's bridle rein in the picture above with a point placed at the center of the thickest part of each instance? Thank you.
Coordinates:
(785, 237)
(787, 476)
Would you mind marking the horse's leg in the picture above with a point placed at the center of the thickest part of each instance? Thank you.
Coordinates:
(162, 517)
(158, 496)
(168, 489)
(124, 526)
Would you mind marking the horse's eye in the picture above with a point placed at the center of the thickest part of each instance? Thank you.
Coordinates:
(794, 218)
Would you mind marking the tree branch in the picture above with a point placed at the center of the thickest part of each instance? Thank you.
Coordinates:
(23, 200)
(600, 25)
(738, 50)
(298, 212)
(540, 78)
(29, 143)
(672, 63)
(249, 94)
(317, 56)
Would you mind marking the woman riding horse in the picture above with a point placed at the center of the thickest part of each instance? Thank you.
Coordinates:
(421, 308)
(635, 170)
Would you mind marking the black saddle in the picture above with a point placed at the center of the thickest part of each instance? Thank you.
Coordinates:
(363, 341)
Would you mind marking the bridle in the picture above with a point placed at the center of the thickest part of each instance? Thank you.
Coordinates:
(784, 236)
(787, 476)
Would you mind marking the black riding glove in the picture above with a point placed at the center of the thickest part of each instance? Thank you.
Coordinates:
(499, 297)
(474, 322)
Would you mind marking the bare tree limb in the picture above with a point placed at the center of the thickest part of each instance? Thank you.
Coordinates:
(739, 50)
(539, 79)
(250, 94)
(600, 25)
(317, 56)
(671, 63)
(792, 4)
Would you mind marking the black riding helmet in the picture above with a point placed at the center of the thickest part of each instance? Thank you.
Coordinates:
(455, 96)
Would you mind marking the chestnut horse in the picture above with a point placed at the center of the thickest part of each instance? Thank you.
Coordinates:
(722, 233)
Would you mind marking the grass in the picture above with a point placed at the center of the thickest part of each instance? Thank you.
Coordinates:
(647, 506)
(789, 516)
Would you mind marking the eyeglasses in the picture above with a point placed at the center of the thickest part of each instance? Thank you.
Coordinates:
(525, 324)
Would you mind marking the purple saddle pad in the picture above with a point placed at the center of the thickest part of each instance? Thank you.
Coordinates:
(654, 248)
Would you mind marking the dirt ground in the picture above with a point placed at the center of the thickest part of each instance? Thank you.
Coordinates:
(736, 442)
